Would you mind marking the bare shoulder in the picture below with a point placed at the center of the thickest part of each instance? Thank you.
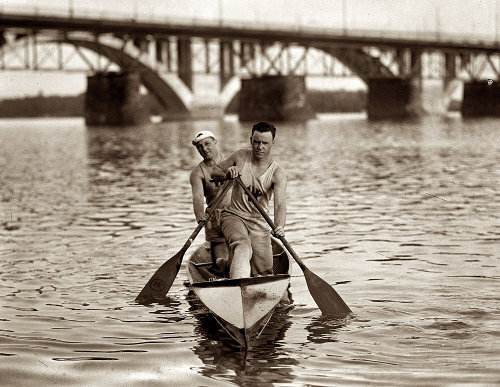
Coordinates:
(240, 156)
(279, 175)
(196, 173)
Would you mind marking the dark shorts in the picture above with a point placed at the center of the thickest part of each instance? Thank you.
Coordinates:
(213, 229)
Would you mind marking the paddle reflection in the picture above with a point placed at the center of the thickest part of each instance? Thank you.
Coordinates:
(323, 329)
(166, 310)
(265, 362)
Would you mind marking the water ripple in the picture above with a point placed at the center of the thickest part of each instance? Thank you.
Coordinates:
(402, 219)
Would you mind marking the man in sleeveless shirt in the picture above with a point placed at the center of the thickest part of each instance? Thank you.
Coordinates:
(246, 231)
(204, 189)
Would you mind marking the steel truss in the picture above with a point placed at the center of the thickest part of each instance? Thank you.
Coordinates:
(50, 51)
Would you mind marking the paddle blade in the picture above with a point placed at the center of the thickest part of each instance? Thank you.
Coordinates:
(161, 281)
(327, 299)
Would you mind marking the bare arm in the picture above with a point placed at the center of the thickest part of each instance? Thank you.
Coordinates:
(280, 182)
(221, 170)
(198, 196)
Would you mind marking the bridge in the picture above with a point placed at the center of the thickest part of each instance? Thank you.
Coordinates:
(198, 68)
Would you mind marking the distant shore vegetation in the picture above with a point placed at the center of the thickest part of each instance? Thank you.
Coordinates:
(58, 106)
(43, 106)
(73, 106)
(326, 101)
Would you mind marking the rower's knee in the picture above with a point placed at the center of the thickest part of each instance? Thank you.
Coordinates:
(219, 250)
(241, 248)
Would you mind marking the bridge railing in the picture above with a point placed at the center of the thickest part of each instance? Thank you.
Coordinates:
(140, 17)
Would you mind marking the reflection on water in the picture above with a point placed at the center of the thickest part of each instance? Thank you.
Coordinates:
(401, 218)
(322, 329)
(266, 362)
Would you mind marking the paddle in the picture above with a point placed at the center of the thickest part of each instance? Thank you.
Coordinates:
(161, 281)
(327, 299)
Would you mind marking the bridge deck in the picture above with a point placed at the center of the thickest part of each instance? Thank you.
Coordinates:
(302, 36)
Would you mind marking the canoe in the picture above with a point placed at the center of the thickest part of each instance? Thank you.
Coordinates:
(242, 306)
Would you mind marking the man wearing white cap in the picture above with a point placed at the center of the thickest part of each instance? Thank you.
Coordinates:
(203, 188)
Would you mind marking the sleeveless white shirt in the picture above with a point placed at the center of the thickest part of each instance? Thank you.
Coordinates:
(261, 186)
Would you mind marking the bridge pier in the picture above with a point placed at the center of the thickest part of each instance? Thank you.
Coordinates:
(393, 98)
(481, 99)
(184, 62)
(450, 67)
(113, 99)
(274, 98)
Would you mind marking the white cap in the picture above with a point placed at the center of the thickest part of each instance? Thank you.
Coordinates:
(202, 135)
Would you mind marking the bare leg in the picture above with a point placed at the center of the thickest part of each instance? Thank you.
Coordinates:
(240, 248)
(240, 265)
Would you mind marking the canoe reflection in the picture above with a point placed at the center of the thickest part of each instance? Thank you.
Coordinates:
(267, 361)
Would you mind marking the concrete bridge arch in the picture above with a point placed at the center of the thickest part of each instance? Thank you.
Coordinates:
(161, 87)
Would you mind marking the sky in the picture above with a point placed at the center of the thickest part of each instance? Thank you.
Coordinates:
(466, 17)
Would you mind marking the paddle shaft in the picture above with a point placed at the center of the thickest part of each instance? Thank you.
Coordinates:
(209, 213)
(160, 283)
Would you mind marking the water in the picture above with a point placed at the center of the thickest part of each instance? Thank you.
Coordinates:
(402, 219)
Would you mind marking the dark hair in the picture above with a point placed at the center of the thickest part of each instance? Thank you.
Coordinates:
(264, 127)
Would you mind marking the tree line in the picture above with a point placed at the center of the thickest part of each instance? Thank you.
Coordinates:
(73, 106)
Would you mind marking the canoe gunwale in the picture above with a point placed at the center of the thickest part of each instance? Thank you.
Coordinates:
(240, 281)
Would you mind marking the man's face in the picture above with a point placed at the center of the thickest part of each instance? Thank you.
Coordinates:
(262, 142)
(206, 148)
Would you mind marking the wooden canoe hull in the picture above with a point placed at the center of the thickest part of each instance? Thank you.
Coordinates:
(242, 306)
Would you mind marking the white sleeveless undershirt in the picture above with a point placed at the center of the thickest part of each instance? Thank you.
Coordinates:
(261, 186)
